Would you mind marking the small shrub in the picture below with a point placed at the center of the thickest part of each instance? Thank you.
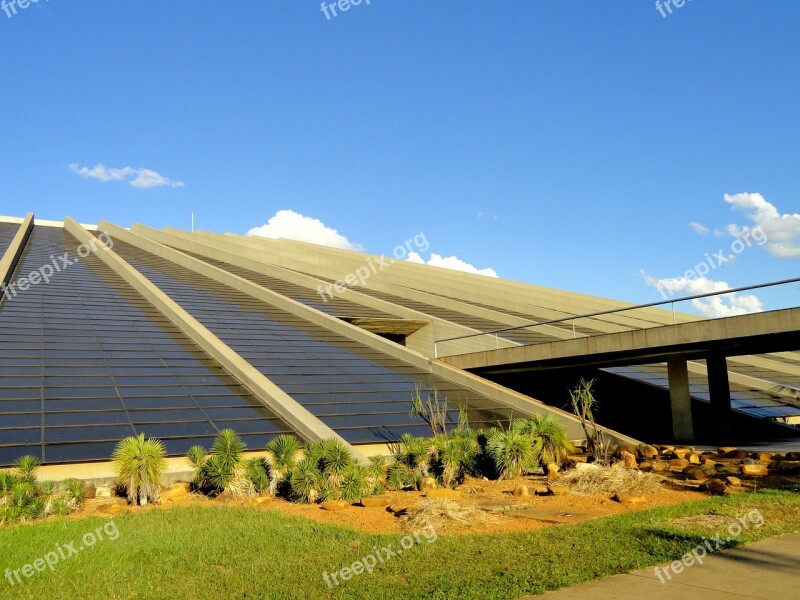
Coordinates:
(441, 514)
(283, 453)
(512, 452)
(598, 479)
(256, 472)
(140, 464)
(306, 481)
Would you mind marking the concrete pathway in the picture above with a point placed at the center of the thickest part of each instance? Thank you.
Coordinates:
(769, 569)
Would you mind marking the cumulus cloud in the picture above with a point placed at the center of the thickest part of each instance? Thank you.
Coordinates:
(782, 231)
(450, 262)
(724, 305)
(291, 225)
(139, 178)
(698, 228)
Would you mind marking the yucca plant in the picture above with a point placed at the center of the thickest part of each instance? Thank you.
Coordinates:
(74, 494)
(375, 474)
(306, 481)
(549, 439)
(283, 453)
(7, 483)
(140, 464)
(335, 460)
(26, 467)
(256, 472)
(415, 454)
(511, 451)
(197, 456)
(224, 468)
(354, 484)
(400, 476)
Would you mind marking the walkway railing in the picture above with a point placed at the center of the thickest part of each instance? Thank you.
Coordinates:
(571, 319)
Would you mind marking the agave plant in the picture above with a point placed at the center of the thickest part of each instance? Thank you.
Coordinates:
(457, 457)
(283, 453)
(399, 476)
(140, 465)
(512, 452)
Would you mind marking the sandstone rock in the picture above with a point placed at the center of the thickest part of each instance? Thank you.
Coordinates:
(715, 486)
(104, 491)
(793, 456)
(335, 505)
(693, 458)
(707, 462)
(786, 466)
(558, 490)
(91, 491)
(175, 492)
(748, 461)
(375, 501)
(426, 484)
(723, 451)
(726, 469)
(443, 493)
(647, 451)
(552, 472)
(761, 456)
(680, 452)
(696, 473)
(678, 463)
(260, 500)
(731, 480)
(109, 509)
(737, 454)
(754, 470)
(628, 460)
(667, 449)
(627, 499)
(629, 448)
(655, 466)
(521, 490)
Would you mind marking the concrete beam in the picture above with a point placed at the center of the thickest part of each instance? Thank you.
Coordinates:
(680, 399)
(283, 405)
(14, 251)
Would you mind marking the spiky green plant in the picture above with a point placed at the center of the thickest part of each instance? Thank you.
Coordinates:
(375, 474)
(335, 460)
(283, 453)
(256, 472)
(549, 439)
(228, 448)
(400, 476)
(306, 481)
(511, 451)
(26, 467)
(74, 494)
(140, 465)
(415, 454)
(354, 484)
(197, 456)
(7, 483)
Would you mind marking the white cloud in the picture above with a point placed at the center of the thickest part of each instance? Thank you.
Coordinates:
(140, 178)
(698, 228)
(290, 225)
(782, 231)
(725, 305)
(450, 262)
(482, 216)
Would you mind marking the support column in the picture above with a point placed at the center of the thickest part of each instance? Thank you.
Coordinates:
(680, 399)
(719, 387)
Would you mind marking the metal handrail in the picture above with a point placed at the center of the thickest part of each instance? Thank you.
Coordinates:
(618, 310)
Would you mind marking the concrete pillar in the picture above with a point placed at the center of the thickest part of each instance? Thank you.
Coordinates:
(680, 399)
(720, 389)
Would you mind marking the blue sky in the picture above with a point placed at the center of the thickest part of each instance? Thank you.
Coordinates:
(567, 144)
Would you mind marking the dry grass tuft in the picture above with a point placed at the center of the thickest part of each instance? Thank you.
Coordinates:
(595, 479)
(443, 513)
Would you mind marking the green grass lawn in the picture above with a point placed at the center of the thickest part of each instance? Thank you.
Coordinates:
(220, 552)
